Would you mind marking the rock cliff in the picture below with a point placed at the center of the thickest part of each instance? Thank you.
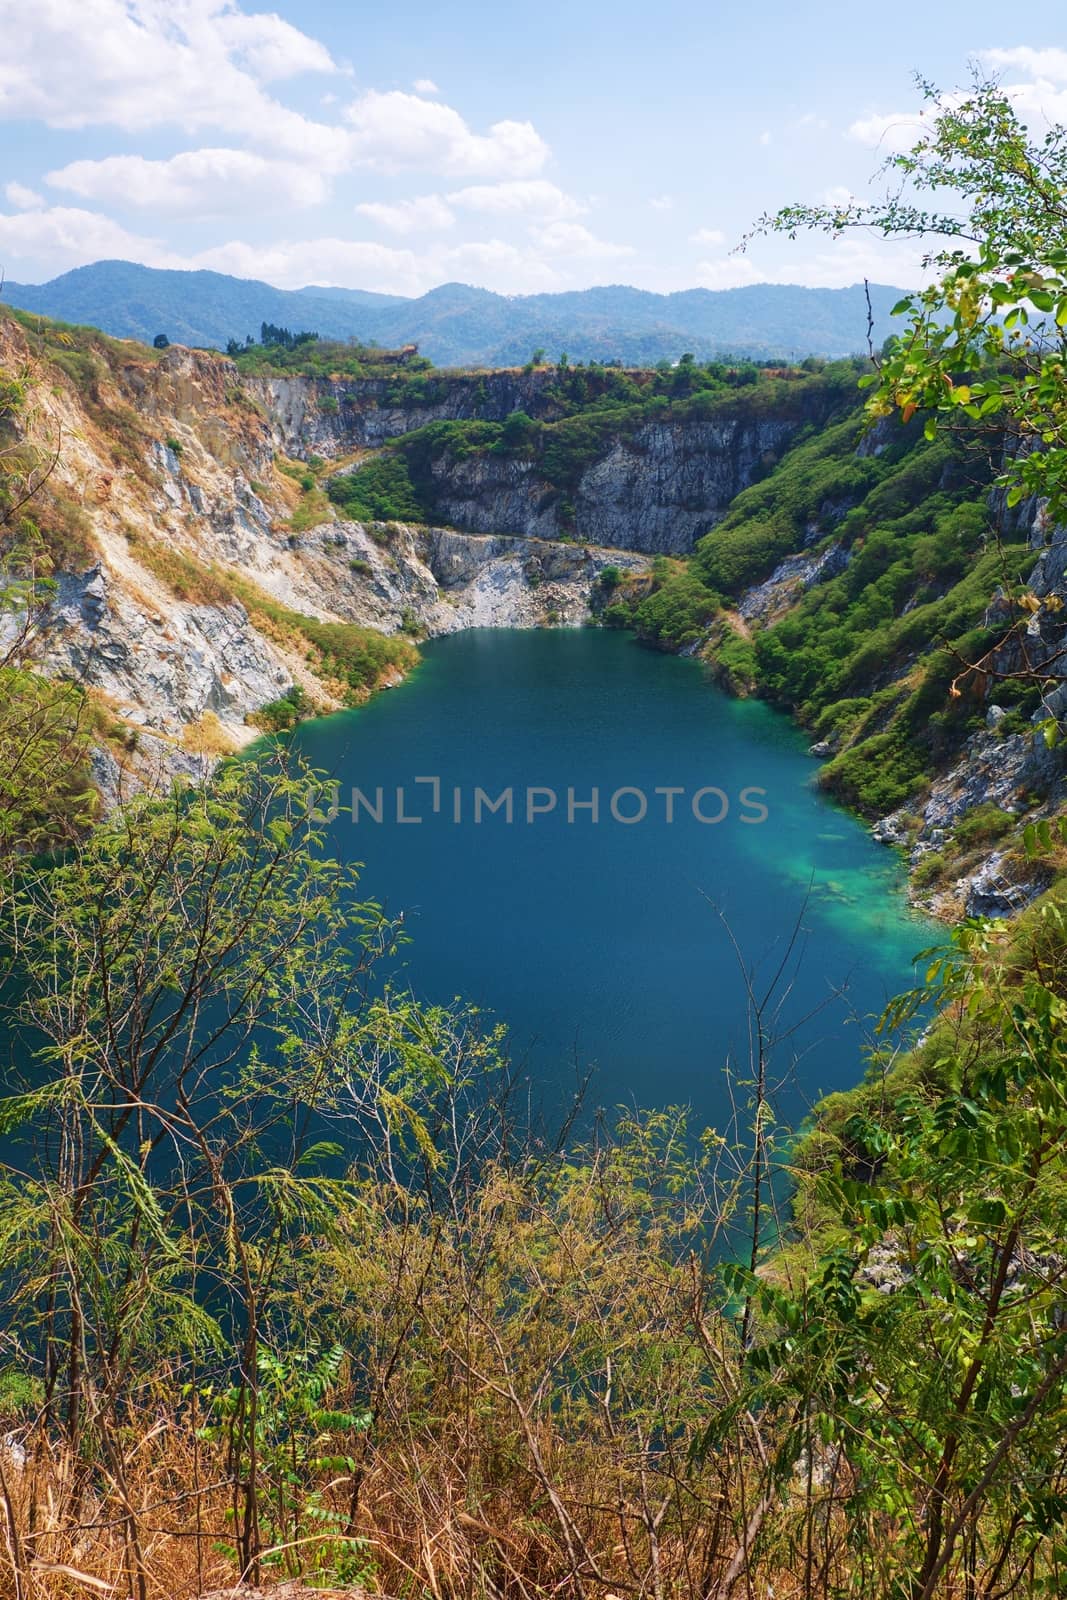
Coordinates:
(657, 492)
(170, 474)
(334, 416)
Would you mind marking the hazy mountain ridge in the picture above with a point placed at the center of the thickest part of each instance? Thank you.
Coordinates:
(456, 324)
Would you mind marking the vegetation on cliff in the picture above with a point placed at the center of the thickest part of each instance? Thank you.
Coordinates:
(583, 411)
(864, 657)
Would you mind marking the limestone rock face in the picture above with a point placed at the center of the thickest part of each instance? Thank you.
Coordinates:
(658, 492)
(790, 579)
(160, 671)
(386, 575)
(331, 417)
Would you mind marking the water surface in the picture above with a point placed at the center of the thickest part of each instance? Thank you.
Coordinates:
(602, 944)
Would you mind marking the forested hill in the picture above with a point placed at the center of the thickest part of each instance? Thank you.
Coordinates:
(457, 324)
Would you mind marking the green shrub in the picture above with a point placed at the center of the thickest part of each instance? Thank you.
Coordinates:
(277, 716)
(985, 824)
(381, 491)
(930, 870)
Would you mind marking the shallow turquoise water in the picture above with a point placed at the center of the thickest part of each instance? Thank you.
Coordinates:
(599, 942)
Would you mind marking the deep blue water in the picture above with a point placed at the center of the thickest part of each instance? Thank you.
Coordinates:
(599, 942)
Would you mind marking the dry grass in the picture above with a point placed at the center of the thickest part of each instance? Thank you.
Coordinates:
(207, 737)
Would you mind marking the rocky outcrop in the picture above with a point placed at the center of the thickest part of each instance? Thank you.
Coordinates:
(790, 579)
(655, 488)
(161, 666)
(169, 471)
(170, 466)
(332, 417)
(436, 580)
(657, 492)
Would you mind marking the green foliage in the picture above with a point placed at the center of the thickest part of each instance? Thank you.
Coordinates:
(380, 491)
(982, 825)
(585, 410)
(919, 1346)
(871, 655)
(349, 657)
(297, 1438)
(985, 343)
(313, 357)
(677, 612)
(278, 716)
(46, 796)
(342, 653)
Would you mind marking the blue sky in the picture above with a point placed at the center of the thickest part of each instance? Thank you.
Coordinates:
(518, 147)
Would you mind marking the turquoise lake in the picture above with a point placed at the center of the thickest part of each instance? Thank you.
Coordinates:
(600, 943)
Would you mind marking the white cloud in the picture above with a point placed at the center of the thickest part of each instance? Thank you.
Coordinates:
(1043, 100)
(662, 202)
(387, 268)
(1040, 101)
(731, 272)
(707, 236)
(496, 265)
(575, 240)
(41, 244)
(289, 263)
(392, 130)
(519, 198)
(837, 195)
(1050, 64)
(23, 199)
(200, 64)
(529, 196)
(269, 47)
(892, 132)
(140, 64)
(424, 213)
(837, 264)
(196, 182)
(64, 237)
(425, 86)
(765, 137)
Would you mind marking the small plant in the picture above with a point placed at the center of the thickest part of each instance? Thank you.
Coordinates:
(930, 870)
(362, 567)
(983, 825)
(278, 716)
(175, 446)
(297, 1436)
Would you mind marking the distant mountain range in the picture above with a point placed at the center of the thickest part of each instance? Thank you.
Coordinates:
(456, 325)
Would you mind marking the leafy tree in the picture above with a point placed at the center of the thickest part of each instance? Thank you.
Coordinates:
(161, 342)
(916, 1369)
(987, 341)
(270, 334)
